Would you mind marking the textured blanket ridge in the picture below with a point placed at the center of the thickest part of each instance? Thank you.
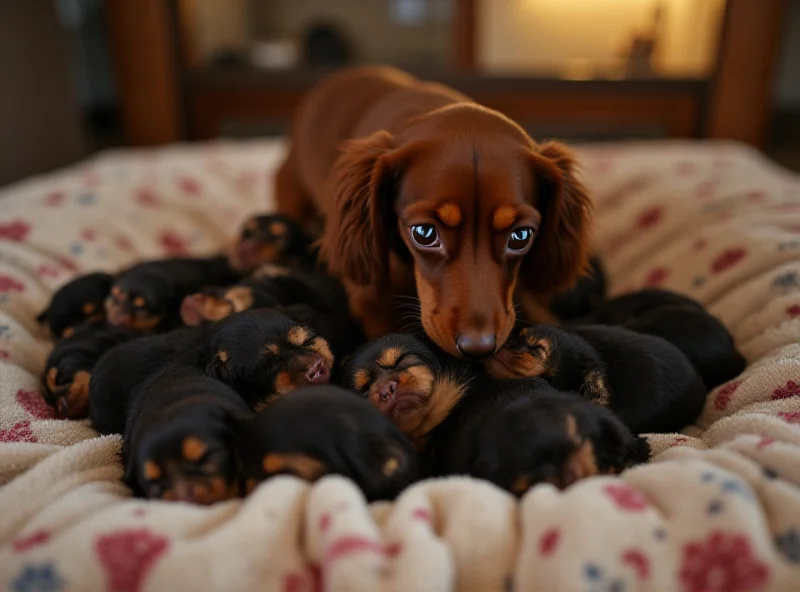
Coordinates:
(718, 508)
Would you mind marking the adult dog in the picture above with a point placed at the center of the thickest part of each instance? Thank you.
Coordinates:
(426, 193)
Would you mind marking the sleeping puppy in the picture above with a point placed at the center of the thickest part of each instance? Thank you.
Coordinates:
(684, 323)
(586, 296)
(76, 303)
(644, 379)
(426, 193)
(444, 407)
(70, 364)
(326, 430)
(271, 238)
(147, 297)
(262, 354)
(409, 380)
(536, 434)
(269, 285)
(179, 441)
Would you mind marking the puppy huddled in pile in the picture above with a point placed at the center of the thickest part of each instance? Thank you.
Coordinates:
(224, 371)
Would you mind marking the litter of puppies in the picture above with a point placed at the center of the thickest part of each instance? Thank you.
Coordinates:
(223, 371)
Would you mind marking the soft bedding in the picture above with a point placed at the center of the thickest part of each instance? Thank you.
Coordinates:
(717, 508)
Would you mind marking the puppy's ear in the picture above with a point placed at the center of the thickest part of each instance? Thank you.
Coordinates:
(355, 243)
(560, 253)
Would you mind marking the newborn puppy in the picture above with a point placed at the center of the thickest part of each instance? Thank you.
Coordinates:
(646, 380)
(269, 285)
(408, 380)
(261, 354)
(76, 303)
(179, 442)
(588, 294)
(70, 364)
(148, 296)
(536, 434)
(271, 238)
(684, 323)
(326, 430)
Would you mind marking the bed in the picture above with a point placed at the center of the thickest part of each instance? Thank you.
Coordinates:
(717, 508)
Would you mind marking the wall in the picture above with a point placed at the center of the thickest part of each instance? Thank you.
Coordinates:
(544, 35)
(39, 117)
(787, 89)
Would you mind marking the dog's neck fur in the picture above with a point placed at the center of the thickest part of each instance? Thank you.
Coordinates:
(448, 389)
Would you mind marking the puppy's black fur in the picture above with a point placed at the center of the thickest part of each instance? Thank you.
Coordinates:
(326, 430)
(646, 380)
(179, 441)
(683, 322)
(148, 296)
(76, 303)
(260, 353)
(586, 296)
(71, 362)
(272, 238)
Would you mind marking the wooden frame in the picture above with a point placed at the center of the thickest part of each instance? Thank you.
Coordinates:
(162, 104)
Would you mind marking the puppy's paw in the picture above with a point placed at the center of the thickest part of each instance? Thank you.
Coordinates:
(205, 307)
(68, 392)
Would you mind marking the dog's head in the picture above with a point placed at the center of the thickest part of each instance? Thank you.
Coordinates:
(474, 205)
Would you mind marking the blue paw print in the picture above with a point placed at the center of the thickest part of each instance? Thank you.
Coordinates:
(786, 280)
(737, 488)
(789, 545)
(5, 331)
(715, 507)
(698, 281)
(76, 248)
(42, 577)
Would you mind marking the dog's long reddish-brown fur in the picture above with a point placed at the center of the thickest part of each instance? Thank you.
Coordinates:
(376, 151)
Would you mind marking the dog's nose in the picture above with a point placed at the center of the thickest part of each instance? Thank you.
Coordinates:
(318, 373)
(476, 345)
(386, 393)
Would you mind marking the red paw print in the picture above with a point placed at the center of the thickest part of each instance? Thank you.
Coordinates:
(650, 217)
(725, 394)
(173, 244)
(548, 542)
(626, 497)
(656, 277)
(14, 231)
(34, 404)
(727, 259)
(791, 389)
(10, 284)
(128, 556)
(19, 432)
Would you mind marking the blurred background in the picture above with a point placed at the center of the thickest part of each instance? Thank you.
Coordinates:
(78, 76)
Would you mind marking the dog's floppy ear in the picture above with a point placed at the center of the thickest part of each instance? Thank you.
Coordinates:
(560, 252)
(354, 243)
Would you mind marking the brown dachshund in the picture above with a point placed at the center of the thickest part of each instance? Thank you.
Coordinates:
(427, 194)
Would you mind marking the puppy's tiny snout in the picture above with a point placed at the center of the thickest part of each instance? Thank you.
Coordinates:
(387, 392)
(475, 346)
(317, 373)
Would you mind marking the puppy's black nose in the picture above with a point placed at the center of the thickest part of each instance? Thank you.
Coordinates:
(476, 345)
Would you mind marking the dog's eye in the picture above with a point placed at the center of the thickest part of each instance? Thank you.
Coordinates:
(425, 235)
(519, 239)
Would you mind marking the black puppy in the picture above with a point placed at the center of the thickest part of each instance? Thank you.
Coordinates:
(586, 296)
(179, 441)
(326, 430)
(261, 353)
(148, 296)
(685, 323)
(76, 303)
(443, 405)
(70, 364)
(646, 380)
(409, 380)
(271, 238)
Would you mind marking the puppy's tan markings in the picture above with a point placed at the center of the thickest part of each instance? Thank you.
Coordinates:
(223, 356)
(52, 376)
(193, 448)
(117, 293)
(503, 218)
(88, 308)
(597, 389)
(390, 467)
(270, 270)
(68, 332)
(79, 389)
(300, 465)
(241, 297)
(521, 484)
(298, 335)
(151, 471)
(272, 348)
(277, 228)
(139, 302)
(389, 357)
(320, 346)
(445, 393)
(360, 379)
(284, 383)
(251, 225)
(450, 214)
(581, 463)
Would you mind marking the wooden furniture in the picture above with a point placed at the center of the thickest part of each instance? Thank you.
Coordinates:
(165, 100)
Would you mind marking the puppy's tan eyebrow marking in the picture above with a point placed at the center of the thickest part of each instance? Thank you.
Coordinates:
(389, 357)
(360, 379)
(450, 214)
(151, 470)
(297, 336)
(193, 448)
(504, 217)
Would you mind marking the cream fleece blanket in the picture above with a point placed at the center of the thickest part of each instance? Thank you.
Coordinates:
(718, 509)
